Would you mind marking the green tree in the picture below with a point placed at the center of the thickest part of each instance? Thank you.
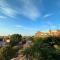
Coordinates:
(15, 39)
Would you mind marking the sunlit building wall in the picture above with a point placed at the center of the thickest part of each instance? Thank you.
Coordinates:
(50, 32)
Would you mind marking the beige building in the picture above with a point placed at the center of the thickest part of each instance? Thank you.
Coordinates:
(50, 32)
(54, 32)
(40, 34)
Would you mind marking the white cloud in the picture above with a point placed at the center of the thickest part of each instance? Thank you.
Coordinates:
(18, 26)
(25, 28)
(21, 27)
(6, 9)
(47, 15)
(29, 9)
(2, 17)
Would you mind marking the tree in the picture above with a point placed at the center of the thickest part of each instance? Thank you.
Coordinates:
(15, 39)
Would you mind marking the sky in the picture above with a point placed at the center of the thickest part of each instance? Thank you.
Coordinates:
(26, 17)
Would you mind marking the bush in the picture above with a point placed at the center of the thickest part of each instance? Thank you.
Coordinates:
(8, 52)
(43, 49)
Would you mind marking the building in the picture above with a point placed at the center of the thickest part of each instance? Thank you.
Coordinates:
(54, 32)
(40, 34)
(50, 32)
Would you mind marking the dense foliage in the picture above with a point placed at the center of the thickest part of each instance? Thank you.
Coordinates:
(47, 48)
(15, 39)
(10, 50)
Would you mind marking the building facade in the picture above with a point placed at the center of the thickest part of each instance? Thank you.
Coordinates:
(40, 34)
(50, 32)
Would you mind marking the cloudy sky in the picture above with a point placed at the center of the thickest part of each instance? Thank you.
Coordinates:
(28, 16)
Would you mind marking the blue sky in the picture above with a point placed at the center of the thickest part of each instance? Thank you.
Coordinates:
(28, 16)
